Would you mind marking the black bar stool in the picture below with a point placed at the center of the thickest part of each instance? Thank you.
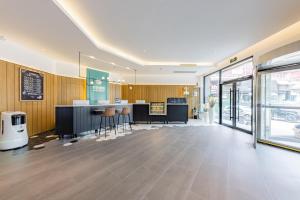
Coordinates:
(109, 113)
(125, 113)
(97, 113)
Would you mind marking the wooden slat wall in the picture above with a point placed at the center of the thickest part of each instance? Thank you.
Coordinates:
(114, 92)
(40, 114)
(151, 93)
(69, 89)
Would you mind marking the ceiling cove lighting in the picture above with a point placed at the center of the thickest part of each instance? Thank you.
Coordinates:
(68, 8)
(103, 61)
(199, 64)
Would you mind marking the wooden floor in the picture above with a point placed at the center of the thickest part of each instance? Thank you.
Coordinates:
(170, 163)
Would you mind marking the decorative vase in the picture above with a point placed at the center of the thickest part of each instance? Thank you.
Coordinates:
(211, 115)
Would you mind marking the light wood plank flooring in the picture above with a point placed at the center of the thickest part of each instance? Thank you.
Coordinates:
(186, 163)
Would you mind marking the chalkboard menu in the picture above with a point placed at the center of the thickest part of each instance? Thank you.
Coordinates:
(32, 85)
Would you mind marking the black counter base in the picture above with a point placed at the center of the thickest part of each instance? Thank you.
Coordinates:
(175, 113)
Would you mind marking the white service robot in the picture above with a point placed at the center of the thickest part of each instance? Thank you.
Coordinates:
(13, 130)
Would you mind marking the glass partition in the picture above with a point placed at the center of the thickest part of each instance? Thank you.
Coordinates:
(97, 85)
(279, 107)
(211, 88)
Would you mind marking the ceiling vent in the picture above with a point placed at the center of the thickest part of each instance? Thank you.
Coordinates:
(184, 72)
(188, 65)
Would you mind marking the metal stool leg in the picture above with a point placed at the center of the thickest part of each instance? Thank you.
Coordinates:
(124, 125)
(100, 125)
(118, 122)
(109, 123)
(113, 119)
(129, 121)
(105, 126)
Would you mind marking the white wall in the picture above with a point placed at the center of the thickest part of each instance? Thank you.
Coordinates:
(21, 55)
(161, 79)
(12, 52)
(286, 36)
(15, 53)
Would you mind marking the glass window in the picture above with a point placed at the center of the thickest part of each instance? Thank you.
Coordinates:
(211, 83)
(279, 107)
(285, 59)
(237, 71)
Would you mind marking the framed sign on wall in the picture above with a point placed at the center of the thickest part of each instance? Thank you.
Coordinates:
(31, 85)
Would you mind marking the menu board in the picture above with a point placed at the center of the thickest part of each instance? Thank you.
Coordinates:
(32, 85)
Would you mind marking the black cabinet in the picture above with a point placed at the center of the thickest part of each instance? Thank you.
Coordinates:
(141, 113)
(177, 113)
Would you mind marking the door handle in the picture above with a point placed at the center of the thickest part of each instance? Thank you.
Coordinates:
(230, 101)
(238, 104)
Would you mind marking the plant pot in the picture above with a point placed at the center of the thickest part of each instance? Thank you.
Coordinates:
(211, 116)
(297, 131)
(205, 117)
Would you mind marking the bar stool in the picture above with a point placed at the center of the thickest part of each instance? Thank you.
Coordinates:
(96, 113)
(109, 113)
(125, 112)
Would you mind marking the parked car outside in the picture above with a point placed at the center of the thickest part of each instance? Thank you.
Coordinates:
(285, 115)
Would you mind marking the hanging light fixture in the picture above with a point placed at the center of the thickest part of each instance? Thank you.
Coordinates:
(134, 76)
(186, 92)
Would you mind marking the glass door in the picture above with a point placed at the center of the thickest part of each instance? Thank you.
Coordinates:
(237, 104)
(227, 104)
(244, 105)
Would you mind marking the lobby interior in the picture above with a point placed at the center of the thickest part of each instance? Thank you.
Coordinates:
(161, 99)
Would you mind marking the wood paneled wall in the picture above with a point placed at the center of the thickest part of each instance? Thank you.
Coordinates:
(151, 93)
(114, 92)
(40, 114)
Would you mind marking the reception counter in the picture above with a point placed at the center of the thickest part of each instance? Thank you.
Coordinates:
(75, 119)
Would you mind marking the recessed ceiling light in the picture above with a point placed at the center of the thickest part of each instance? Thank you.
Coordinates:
(128, 68)
(113, 63)
(92, 57)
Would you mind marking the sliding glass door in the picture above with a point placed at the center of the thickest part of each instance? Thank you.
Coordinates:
(237, 104)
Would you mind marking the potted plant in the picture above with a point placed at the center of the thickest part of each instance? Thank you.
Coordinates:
(205, 112)
(211, 103)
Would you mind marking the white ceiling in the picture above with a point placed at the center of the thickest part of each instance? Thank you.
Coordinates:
(156, 32)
